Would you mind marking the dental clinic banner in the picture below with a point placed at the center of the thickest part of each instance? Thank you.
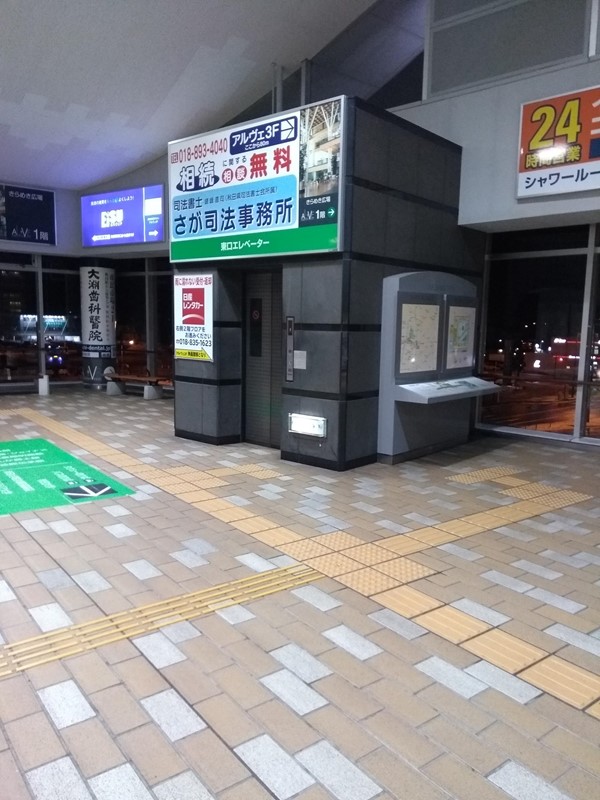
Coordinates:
(263, 188)
(560, 144)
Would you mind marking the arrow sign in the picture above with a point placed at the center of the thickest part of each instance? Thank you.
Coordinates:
(331, 212)
(88, 492)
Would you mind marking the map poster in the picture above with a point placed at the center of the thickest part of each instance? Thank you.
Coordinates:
(419, 337)
(461, 337)
(34, 473)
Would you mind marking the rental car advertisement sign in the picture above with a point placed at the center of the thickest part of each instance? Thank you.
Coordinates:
(193, 300)
(261, 188)
(560, 144)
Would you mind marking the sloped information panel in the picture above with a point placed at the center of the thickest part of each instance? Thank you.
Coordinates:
(34, 473)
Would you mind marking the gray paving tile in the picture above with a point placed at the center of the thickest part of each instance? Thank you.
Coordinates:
(561, 558)
(583, 641)
(181, 632)
(522, 784)
(480, 611)
(513, 533)
(55, 578)
(392, 526)
(503, 682)
(235, 614)
(159, 650)
(91, 581)
(33, 525)
(337, 774)
(50, 617)
(199, 546)
(460, 552)
(183, 787)
(188, 558)
(57, 780)
(283, 776)
(255, 562)
(300, 662)
(116, 511)
(65, 704)
(122, 783)
(536, 569)
(450, 676)
(173, 715)
(506, 580)
(369, 509)
(6, 593)
(397, 623)
(62, 526)
(421, 519)
(352, 642)
(119, 530)
(293, 692)
(142, 569)
(316, 597)
(556, 600)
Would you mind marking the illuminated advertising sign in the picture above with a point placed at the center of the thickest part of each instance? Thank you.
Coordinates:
(560, 144)
(27, 215)
(262, 188)
(129, 216)
(193, 316)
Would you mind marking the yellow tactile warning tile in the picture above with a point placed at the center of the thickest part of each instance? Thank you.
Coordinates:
(332, 564)
(594, 710)
(453, 625)
(222, 472)
(483, 519)
(407, 601)
(431, 536)
(562, 497)
(460, 527)
(368, 554)
(509, 481)
(486, 474)
(257, 471)
(404, 569)
(367, 581)
(504, 650)
(194, 496)
(517, 512)
(65, 642)
(529, 490)
(574, 685)
(185, 472)
(217, 504)
(232, 514)
(339, 540)
(402, 545)
(304, 549)
(209, 483)
(277, 536)
(254, 525)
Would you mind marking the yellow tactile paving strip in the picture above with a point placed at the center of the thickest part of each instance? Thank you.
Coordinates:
(452, 624)
(570, 683)
(504, 650)
(112, 628)
(339, 553)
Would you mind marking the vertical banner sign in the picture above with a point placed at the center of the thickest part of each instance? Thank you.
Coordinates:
(193, 316)
(269, 187)
(98, 334)
(560, 144)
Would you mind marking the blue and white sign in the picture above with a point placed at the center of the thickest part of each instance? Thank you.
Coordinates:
(128, 216)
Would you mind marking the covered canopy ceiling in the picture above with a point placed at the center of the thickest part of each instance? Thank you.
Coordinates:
(90, 89)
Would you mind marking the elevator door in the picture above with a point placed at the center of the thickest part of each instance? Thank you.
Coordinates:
(263, 358)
